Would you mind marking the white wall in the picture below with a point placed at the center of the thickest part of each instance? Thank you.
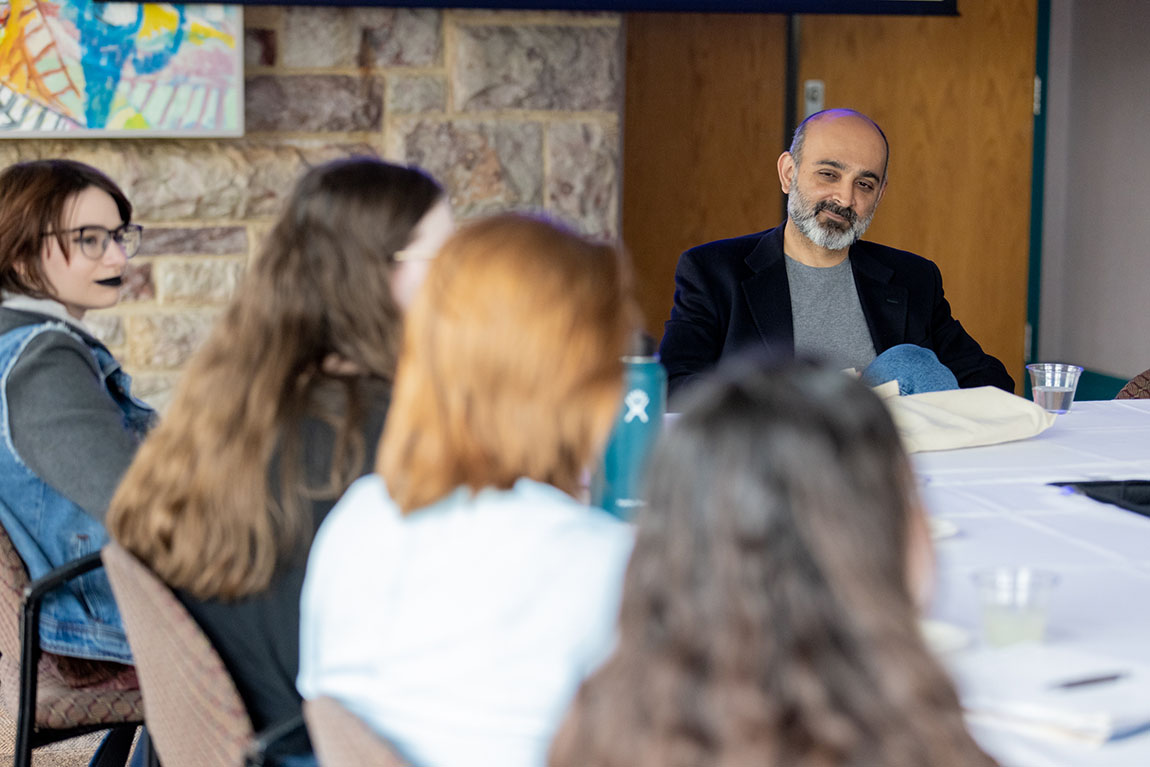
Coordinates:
(1096, 233)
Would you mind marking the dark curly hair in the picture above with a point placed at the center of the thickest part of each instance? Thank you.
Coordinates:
(767, 616)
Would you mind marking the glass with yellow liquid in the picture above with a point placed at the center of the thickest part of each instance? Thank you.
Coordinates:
(1014, 603)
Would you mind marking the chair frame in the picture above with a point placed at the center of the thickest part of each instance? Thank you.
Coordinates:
(28, 735)
(359, 742)
(262, 748)
(265, 742)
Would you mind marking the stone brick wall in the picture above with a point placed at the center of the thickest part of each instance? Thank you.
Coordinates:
(510, 110)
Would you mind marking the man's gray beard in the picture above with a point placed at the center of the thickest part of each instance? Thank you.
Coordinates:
(805, 216)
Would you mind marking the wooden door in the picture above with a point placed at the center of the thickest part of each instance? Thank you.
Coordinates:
(955, 98)
(703, 126)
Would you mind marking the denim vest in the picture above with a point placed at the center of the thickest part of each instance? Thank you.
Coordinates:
(80, 618)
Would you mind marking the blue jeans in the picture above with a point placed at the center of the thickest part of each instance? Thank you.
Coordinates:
(916, 369)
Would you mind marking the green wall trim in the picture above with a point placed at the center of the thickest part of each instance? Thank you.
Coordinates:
(1038, 181)
(1096, 385)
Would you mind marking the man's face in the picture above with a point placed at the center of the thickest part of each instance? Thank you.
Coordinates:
(832, 196)
(840, 229)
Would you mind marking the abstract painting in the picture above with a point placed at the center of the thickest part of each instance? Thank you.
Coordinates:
(85, 68)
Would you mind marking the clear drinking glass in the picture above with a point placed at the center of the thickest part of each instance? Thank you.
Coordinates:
(1052, 385)
(1014, 603)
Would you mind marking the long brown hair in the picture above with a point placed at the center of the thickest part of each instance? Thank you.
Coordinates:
(34, 198)
(511, 362)
(196, 503)
(767, 617)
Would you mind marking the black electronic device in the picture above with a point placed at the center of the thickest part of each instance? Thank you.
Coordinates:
(1130, 494)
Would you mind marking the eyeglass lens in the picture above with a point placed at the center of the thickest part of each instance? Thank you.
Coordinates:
(94, 239)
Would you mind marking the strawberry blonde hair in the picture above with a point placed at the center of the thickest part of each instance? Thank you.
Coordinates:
(511, 362)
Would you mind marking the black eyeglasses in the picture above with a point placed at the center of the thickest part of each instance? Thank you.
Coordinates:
(93, 240)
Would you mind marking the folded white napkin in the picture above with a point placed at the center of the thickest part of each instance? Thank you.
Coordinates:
(1025, 687)
(944, 420)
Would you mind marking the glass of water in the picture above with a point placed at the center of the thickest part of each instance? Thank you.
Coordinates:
(1014, 603)
(1052, 385)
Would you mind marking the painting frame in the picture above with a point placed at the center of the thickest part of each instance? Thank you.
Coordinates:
(866, 7)
(90, 69)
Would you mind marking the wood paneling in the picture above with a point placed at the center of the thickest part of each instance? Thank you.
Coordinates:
(955, 98)
(703, 126)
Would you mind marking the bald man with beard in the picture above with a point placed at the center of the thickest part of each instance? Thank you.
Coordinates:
(812, 286)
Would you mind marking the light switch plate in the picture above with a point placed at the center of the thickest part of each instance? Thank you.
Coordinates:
(814, 97)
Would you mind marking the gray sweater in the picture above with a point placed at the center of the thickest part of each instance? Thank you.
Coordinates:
(64, 426)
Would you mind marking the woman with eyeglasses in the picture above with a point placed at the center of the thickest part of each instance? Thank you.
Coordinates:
(73, 426)
(279, 412)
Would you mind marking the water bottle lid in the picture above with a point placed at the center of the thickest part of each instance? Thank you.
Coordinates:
(640, 348)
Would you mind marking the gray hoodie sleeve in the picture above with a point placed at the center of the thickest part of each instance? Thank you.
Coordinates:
(65, 426)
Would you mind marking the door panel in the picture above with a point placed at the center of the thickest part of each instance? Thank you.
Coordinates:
(703, 126)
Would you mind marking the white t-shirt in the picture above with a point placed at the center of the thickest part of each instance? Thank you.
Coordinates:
(462, 631)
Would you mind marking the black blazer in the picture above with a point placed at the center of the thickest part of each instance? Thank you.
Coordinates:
(733, 295)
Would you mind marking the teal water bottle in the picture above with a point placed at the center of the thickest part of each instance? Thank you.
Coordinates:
(618, 485)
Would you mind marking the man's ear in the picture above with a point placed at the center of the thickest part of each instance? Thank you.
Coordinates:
(787, 169)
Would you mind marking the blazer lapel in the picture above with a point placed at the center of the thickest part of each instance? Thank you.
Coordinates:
(768, 292)
(884, 305)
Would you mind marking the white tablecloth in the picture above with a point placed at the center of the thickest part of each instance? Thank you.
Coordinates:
(1006, 514)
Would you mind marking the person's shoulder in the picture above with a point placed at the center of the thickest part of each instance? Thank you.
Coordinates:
(366, 494)
(13, 319)
(888, 253)
(900, 261)
(365, 506)
(721, 263)
(45, 343)
(31, 324)
(732, 248)
(358, 536)
(577, 522)
(34, 322)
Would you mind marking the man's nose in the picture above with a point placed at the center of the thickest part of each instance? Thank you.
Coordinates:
(844, 194)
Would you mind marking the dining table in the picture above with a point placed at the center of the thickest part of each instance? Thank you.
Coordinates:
(996, 507)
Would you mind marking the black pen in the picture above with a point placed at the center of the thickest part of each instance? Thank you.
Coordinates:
(1086, 681)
